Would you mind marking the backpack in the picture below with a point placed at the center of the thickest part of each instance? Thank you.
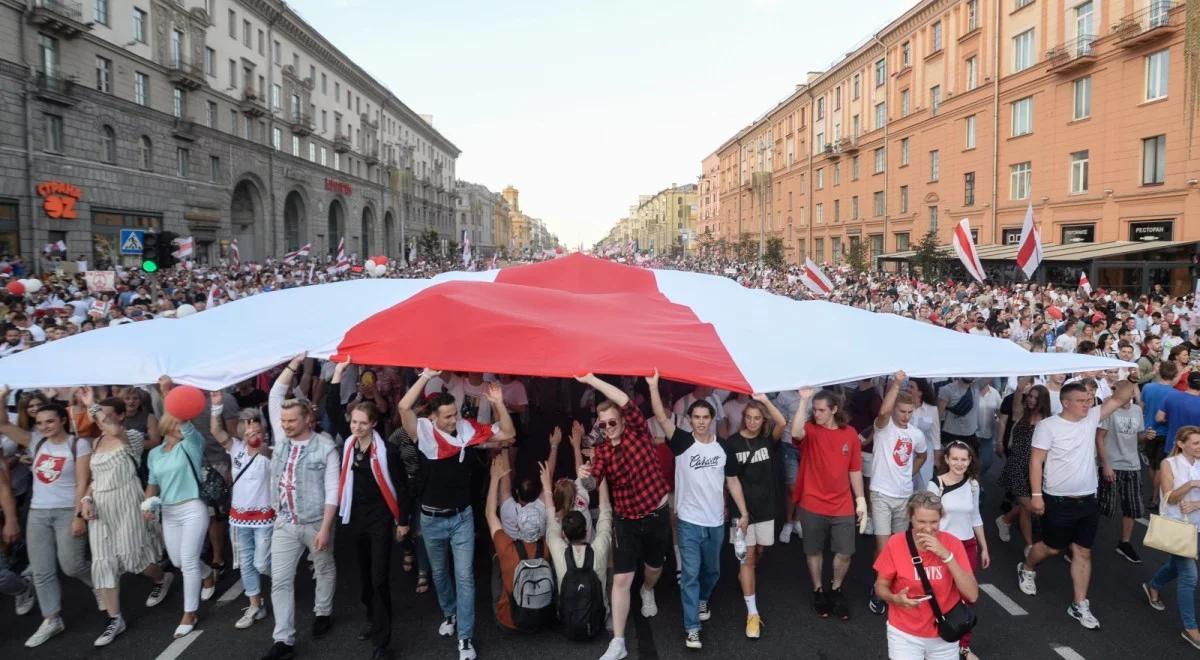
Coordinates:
(532, 598)
(581, 599)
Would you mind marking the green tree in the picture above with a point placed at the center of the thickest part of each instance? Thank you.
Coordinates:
(857, 257)
(927, 258)
(774, 255)
(429, 244)
(747, 247)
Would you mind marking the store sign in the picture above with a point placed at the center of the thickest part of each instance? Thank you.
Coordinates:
(1148, 232)
(333, 185)
(58, 199)
(1011, 236)
(1078, 234)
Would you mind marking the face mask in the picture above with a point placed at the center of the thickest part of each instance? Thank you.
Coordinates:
(255, 441)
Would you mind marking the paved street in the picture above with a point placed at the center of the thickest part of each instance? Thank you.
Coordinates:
(1012, 625)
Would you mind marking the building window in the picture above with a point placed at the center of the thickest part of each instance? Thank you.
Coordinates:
(880, 114)
(1023, 56)
(108, 144)
(970, 126)
(854, 168)
(904, 199)
(972, 69)
(276, 137)
(145, 153)
(104, 75)
(181, 161)
(101, 12)
(905, 102)
(903, 152)
(141, 88)
(1079, 172)
(232, 24)
(312, 151)
(877, 199)
(1022, 116)
(1156, 75)
(275, 52)
(337, 91)
(857, 86)
(820, 108)
(821, 141)
(1083, 97)
(214, 169)
(856, 126)
(139, 25)
(296, 146)
(276, 95)
(902, 241)
(935, 165)
(324, 82)
(262, 42)
(820, 213)
(906, 54)
(324, 160)
(880, 72)
(1154, 160)
(837, 210)
(936, 37)
(248, 128)
(1020, 176)
(211, 114)
(933, 218)
(880, 160)
(935, 99)
(295, 107)
(969, 189)
(210, 62)
(972, 15)
(337, 161)
(837, 174)
(178, 102)
(819, 181)
(246, 33)
(1022, 3)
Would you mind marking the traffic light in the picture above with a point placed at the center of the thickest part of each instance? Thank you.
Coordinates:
(166, 248)
(150, 243)
(157, 249)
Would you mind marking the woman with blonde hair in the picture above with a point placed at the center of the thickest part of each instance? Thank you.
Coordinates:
(1180, 500)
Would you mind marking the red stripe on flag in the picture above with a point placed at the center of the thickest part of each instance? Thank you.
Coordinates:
(964, 243)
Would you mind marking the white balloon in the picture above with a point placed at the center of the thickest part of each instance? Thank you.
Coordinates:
(373, 272)
(184, 310)
(380, 269)
(33, 285)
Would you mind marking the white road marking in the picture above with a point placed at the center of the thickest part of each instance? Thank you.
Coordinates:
(180, 645)
(1144, 522)
(232, 593)
(1003, 600)
(1067, 653)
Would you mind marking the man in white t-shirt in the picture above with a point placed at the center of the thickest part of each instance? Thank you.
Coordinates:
(900, 450)
(1062, 472)
(703, 470)
(682, 419)
(1066, 342)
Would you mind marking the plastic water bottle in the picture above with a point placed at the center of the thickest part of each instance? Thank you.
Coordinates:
(739, 541)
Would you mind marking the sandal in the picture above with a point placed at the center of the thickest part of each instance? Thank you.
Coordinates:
(409, 560)
(422, 583)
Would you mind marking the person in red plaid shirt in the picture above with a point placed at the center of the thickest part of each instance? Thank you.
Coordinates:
(639, 494)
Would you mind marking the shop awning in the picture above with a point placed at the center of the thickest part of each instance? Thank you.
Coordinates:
(1058, 252)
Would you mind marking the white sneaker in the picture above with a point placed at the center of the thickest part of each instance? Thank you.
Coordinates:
(26, 599)
(616, 650)
(649, 607)
(49, 628)
(1082, 612)
(447, 627)
(785, 534)
(465, 650)
(692, 641)
(116, 626)
(159, 591)
(1003, 529)
(1026, 580)
(251, 614)
(206, 593)
(705, 613)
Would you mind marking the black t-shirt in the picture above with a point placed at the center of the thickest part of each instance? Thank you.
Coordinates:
(369, 509)
(756, 471)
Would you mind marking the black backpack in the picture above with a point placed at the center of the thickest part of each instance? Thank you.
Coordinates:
(581, 599)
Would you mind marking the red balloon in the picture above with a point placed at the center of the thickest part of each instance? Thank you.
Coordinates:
(15, 288)
(185, 402)
(380, 259)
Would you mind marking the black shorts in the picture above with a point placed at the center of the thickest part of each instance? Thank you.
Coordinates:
(1070, 520)
(645, 540)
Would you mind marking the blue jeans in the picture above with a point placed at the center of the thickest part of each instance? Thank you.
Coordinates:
(1183, 568)
(987, 454)
(454, 534)
(254, 556)
(700, 555)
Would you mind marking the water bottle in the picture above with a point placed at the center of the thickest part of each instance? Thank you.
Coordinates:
(739, 541)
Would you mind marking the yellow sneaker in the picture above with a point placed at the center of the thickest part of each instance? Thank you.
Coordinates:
(753, 626)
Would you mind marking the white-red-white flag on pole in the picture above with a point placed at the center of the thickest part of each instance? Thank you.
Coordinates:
(343, 262)
(1084, 283)
(235, 253)
(964, 247)
(815, 280)
(302, 252)
(1029, 254)
(185, 248)
(466, 254)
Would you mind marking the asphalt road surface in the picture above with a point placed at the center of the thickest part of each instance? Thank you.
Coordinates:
(1012, 625)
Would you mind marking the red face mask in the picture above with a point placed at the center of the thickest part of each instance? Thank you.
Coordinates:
(255, 441)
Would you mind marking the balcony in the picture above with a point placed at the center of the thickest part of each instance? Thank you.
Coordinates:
(341, 143)
(302, 124)
(372, 156)
(251, 105)
(832, 151)
(61, 17)
(184, 129)
(185, 74)
(1072, 55)
(54, 88)
(1161, 18)
(847, 145)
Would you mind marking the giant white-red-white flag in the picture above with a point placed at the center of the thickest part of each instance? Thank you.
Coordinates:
(1029, 254)
(1084, 283)
(964, 247)
(817, 282)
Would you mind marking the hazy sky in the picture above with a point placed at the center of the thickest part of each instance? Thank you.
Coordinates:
(585, 105)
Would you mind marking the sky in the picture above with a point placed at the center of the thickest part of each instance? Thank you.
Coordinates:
(584, 105)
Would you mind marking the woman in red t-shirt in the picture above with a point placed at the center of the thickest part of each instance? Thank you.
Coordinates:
(911, 630)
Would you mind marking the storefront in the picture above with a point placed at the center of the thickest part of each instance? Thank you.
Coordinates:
(106, 235)
(10, 235)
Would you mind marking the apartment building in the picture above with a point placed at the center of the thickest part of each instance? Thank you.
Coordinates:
(979, 109)
(218, 119)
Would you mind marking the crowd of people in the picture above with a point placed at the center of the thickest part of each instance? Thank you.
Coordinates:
(653, 475)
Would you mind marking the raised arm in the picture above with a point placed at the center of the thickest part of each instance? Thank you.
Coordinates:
(889, 400)
(498, 470)
(1122, 394)
(801, 418)
(778, 421)
(555, 442)
(215, 425)
(279, 392)
(18, 434)
(612, 392)
(408, 418)
(495, 395)
(656, 404)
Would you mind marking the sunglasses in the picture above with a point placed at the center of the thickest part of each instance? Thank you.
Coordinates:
(600, 424)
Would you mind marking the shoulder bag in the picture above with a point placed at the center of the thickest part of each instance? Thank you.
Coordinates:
(961, 618)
